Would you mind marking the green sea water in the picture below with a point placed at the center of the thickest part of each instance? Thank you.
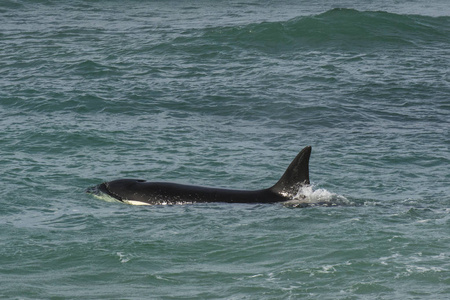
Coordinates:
(225, 94)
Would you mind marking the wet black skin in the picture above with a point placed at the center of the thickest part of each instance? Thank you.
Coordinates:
(296, 175)
(166, 192)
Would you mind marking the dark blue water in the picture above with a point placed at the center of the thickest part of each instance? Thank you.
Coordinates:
(225, 94)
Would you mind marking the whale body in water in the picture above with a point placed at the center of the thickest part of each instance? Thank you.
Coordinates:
(142, 192)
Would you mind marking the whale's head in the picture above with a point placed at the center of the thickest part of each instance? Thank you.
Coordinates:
(123, 190)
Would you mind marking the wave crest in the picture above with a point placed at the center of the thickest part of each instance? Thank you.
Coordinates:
(336, 28)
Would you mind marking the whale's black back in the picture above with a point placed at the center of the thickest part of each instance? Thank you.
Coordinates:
(295, 176)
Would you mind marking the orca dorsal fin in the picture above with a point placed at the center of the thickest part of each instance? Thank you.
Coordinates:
(296, 175)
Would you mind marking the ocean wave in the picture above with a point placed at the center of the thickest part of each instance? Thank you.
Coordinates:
(336, 28)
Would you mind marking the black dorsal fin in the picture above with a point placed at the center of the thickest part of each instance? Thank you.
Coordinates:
(296, 175)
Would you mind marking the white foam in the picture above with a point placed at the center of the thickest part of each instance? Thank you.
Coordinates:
(309, 196)
(122, 257)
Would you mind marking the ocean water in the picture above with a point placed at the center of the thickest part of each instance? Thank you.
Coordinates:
(225, 94)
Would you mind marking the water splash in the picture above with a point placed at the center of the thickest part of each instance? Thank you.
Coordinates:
(308, 196)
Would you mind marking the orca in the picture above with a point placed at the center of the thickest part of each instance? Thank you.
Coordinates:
(142, 192)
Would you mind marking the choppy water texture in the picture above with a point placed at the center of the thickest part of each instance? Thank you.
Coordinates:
(225, 93)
